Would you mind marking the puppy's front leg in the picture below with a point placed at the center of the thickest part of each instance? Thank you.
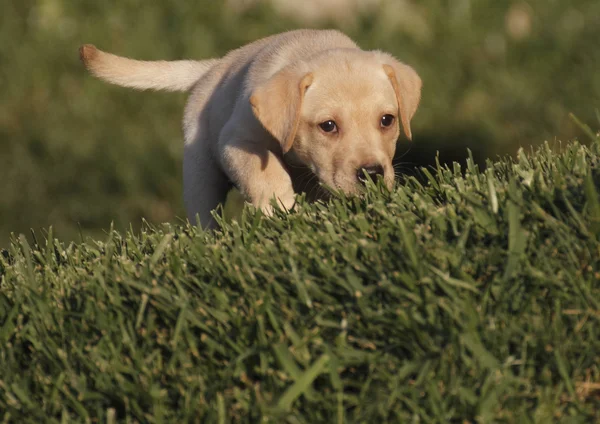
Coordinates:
(258, 172)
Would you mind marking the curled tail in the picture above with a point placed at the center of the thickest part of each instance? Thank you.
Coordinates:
(178, 75)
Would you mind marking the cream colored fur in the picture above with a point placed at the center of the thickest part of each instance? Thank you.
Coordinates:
(255, 117)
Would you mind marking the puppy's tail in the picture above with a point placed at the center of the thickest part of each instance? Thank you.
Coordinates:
(178, 75)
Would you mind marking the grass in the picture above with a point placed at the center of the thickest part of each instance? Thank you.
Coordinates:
(469, 296)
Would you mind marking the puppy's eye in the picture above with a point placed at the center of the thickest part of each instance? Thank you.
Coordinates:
(328, 126)
(387, 120)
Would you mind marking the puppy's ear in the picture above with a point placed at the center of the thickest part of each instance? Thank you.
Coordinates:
(407, 85)
(276, 104)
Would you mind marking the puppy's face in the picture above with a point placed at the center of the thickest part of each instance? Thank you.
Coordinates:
(348, 124)
(340, 113)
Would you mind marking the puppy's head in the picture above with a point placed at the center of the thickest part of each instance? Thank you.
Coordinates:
(340, 114)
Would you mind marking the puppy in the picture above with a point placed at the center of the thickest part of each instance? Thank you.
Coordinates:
(301, 99)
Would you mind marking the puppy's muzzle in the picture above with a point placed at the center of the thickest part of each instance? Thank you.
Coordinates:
(373, 171)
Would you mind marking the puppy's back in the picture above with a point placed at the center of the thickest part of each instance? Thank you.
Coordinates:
(239, 72)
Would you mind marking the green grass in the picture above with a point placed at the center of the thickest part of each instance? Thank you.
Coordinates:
(467, 296)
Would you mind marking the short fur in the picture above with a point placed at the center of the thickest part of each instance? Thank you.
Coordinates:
(252, 118)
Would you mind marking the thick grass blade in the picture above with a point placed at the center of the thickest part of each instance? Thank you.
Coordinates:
(302, 384)
(593, 203)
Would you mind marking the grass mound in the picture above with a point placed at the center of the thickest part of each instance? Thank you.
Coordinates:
(473, 296)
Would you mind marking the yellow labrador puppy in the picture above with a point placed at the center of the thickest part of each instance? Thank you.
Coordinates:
(304, 98)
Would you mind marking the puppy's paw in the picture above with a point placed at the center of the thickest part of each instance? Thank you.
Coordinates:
(286, 203)
(267, 210)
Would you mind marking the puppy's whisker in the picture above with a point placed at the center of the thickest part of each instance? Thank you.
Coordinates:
(303, 177)
(404, 163)
(401, 164)
(316, 191)
(403, 169)
(291, 165)
(405, 153)
(309, 183)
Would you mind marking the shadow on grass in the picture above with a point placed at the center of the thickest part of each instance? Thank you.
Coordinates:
(452, 147)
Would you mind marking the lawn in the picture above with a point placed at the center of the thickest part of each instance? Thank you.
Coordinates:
(463, 295)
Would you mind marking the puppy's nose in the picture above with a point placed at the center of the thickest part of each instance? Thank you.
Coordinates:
(371, 170)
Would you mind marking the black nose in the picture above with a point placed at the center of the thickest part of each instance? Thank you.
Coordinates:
(371, 170)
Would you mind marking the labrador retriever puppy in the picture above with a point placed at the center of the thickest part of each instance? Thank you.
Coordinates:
(301, 99)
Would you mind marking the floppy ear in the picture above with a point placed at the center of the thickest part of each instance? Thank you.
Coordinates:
(276, 104)
(407, 85)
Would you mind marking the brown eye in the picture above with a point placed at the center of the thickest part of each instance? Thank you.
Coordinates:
(387, 120)
(328, 126)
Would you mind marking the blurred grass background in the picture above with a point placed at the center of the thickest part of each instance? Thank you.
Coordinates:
(79, 154)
